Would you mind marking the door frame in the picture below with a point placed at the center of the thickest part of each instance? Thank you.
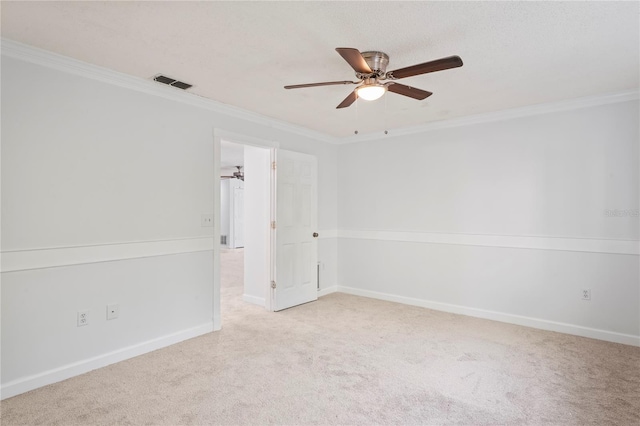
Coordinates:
(218, 136)
(232, 241)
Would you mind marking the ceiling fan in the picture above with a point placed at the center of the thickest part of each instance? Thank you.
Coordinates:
(236, 175)
(371, 68)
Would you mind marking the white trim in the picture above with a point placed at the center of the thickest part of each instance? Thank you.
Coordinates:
(260, 301)
(48, 59)
(217, 321)
(239, 138)
(327, 233)
(502, 115)
(21, 260)
(627, 247)
(217, 318)
(609, 336)
(270, 304)
(26, 384)
(328, 290)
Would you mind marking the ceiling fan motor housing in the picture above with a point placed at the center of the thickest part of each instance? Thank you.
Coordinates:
(377, 61)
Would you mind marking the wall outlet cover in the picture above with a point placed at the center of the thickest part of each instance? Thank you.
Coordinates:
(83, 318)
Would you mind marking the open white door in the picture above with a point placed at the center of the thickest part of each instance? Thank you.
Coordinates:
(296, 247)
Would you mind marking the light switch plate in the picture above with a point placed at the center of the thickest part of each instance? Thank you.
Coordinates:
(206, 220)
(113, 311)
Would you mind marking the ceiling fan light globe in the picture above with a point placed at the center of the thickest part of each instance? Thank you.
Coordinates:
(371, 92)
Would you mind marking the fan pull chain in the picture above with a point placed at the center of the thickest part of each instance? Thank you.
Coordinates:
(356, 131)
(385, 114)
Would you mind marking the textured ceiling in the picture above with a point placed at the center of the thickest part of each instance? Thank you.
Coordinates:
(243, 53)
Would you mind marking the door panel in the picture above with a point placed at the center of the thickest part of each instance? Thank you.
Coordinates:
(296, 253)
(286, 201)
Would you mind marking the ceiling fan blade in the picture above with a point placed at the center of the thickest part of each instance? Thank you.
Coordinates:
(348, 100)
(355, 59)
(409, 91)
(326, 83)
(427, 67)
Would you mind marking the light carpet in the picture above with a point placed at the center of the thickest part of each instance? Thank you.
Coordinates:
(351, 360)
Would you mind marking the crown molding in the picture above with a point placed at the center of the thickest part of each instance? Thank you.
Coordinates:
(502, 115)
(13, 49)
(16, 50)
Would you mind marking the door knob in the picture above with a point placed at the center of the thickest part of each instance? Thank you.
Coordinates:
(315, 235)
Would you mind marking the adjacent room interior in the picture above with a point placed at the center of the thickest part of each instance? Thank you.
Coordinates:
(205, 221)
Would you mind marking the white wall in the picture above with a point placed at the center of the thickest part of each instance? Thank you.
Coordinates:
(225, 208)
(507, 217)
(165, 297)
(104, 181)
(87, 165)
(257, 203)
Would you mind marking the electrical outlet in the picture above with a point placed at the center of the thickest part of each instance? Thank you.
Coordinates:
(83, 318)
(206, 220)
(586, 294)
(113, 311)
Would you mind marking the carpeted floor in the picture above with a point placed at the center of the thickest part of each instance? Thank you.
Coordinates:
(351, 361)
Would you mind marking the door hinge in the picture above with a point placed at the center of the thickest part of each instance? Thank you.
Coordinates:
(273, 165)
(273, 284)
(273, 224)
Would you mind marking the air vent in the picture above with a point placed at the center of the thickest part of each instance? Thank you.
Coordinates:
(172, 82)
(181, 85)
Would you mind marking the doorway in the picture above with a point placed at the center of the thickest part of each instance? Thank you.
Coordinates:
(273, 190)
(245, 213)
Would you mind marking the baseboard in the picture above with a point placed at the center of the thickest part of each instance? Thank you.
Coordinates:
(217, 321)
(26, 384)
(328, 290)
(253, 299)
(609, 336)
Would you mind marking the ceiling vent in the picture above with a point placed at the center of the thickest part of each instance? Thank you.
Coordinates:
(172, 82)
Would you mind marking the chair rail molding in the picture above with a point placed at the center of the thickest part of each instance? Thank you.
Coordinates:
(21, 260)
(608, 246)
